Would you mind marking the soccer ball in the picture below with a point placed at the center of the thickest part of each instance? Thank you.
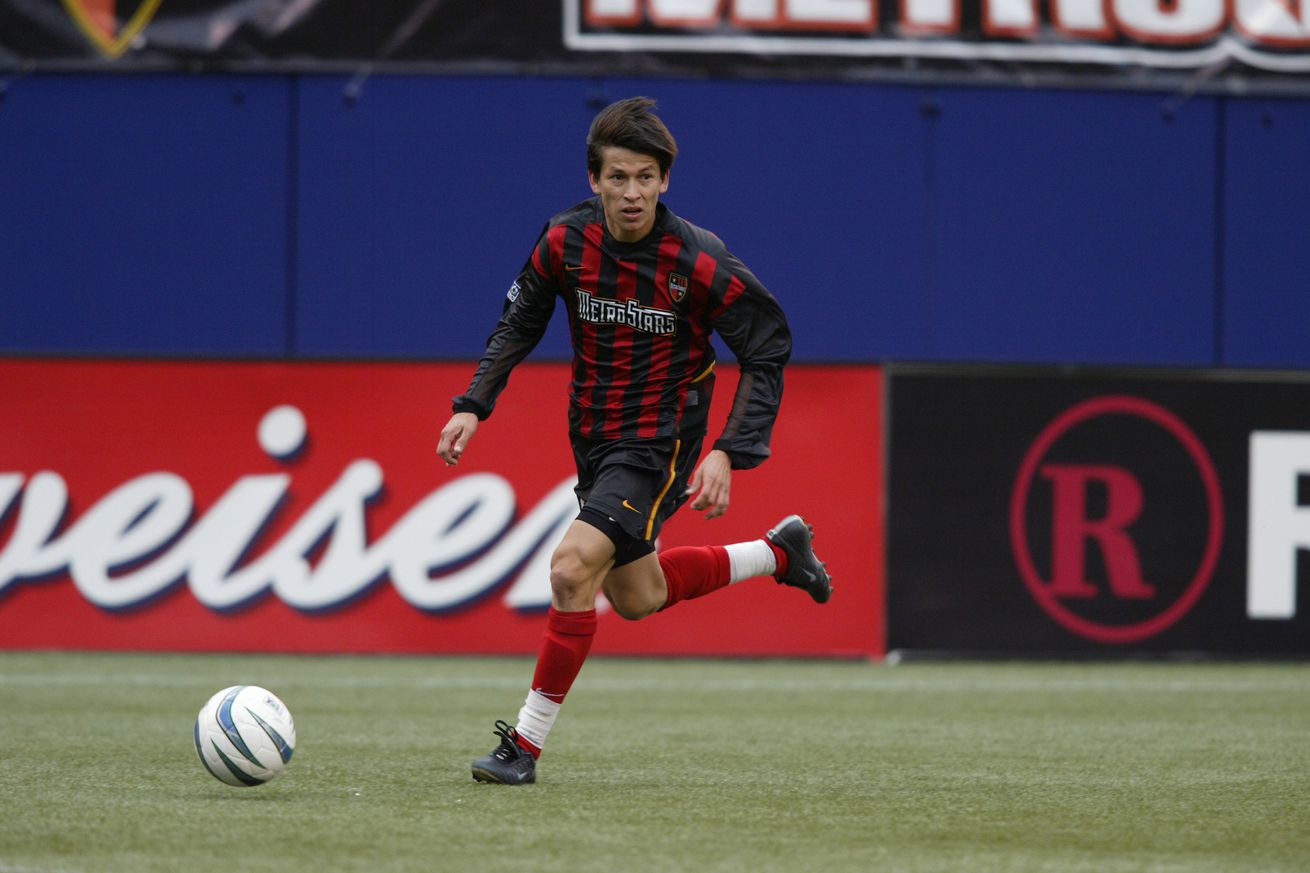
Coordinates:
(245, 735)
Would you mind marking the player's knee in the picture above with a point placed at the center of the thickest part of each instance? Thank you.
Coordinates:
(570, 577)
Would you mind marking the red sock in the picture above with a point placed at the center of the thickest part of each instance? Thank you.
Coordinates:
(694, 571)
(563, 649)
(780, 556)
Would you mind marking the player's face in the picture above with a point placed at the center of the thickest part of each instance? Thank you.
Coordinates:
(629, 185)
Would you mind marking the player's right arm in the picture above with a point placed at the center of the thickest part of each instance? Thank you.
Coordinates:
(529, 304)
(455, 437)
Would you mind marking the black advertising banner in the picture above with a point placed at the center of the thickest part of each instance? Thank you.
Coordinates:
(297, 34)
(1241, 44)
(1040, 511)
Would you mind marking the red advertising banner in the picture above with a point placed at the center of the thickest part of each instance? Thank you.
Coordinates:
(300, 507)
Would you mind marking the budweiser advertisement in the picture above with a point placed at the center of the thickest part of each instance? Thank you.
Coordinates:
(300, 507)
(1098, 511)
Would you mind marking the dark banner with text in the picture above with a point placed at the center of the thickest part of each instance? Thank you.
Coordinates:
(301, 507)
(1006, 39)
(1045, 512)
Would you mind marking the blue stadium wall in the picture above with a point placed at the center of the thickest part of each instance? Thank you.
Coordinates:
(273, 216)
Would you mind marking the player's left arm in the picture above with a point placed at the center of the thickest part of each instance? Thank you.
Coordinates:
(753, 326)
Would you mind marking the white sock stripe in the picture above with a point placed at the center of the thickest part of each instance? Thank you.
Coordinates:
(536, 718)
(748, 560)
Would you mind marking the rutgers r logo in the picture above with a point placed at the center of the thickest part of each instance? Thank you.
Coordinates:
(1116, 519)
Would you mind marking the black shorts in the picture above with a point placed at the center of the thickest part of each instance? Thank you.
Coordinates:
(628, 487)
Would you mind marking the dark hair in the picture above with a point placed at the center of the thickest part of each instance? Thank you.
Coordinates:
(630, 124)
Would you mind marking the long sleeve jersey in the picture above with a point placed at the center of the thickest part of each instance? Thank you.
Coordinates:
(640, 315)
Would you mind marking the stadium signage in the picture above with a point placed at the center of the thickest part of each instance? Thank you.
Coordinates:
(1278, 528)
(1185, 33)
(1108, 512)
(1260, 41)
(255, 506)
(138, 541)
(1074, 529)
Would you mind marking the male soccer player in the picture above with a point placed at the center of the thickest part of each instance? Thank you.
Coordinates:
(643, 290)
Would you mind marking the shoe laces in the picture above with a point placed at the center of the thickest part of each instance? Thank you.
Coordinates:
(509, 749)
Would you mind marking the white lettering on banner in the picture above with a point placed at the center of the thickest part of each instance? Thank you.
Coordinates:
(135, 543)
(1149, 21)
(127, 526)
(758, 13)
(1180, 21)
(1020, 18)
(1274, 22)
(1179, 34)
(224, 534)
(1010, 17)
(1084, 18)
(930, 16)
(1278, 527)
(43, 506)
(532, 539)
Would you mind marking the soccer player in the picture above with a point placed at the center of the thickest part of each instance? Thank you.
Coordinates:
(643, 290)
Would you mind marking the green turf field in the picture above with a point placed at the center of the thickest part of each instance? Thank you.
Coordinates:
(665, 766)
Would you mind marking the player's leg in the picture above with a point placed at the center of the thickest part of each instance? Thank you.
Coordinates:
(640, 584)
(792, 540)
(635, 587)
(579, 566)
(630, 488)
(658, 581)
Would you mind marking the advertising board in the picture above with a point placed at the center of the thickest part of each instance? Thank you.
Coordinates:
(300, 507)
(1263, 40)
(1094, 511)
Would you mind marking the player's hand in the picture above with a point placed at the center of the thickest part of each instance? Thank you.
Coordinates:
(711, 484)
(455, 437)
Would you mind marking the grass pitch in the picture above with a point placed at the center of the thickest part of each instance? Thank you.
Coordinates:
(665, 766)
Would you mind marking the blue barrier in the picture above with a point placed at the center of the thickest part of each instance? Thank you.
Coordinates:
(273, 216)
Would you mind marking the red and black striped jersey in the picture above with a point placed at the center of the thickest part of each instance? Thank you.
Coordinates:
(641, 315)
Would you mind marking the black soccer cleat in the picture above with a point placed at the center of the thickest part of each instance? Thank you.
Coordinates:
(509, 763)
(804, 569)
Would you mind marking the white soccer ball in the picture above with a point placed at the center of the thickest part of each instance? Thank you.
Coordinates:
(245, 735)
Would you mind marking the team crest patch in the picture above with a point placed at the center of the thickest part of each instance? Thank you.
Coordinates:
(111, 27)
(677, 287)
